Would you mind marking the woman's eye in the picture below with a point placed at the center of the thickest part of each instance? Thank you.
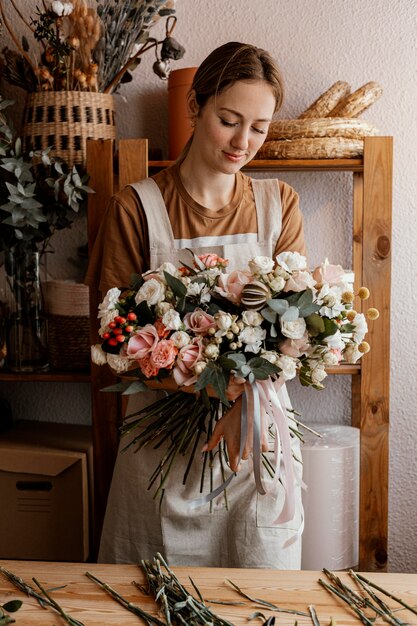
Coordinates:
(226, 123)
(261, 131)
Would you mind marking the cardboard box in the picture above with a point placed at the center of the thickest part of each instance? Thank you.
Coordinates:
(46, 491)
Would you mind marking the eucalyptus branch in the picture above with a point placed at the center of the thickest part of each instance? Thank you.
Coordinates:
(384, 591)
(67, 618)
(265, 603)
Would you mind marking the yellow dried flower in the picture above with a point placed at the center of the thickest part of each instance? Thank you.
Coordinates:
(351, 315)
(363, 293)
(372, 314)
(364, 347)
(347, 297)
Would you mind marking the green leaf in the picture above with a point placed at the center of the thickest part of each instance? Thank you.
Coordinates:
(278, 305)
(117, 387)
(178, 288)
(291, 314)
(215, 376)
(262, 368)
(330, 327)
(144, 313)
(136, 387)
(12, 606)
(315, 324)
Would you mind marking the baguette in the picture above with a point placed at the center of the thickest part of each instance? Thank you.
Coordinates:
(352, 128)
(355, 103)
(312, 148)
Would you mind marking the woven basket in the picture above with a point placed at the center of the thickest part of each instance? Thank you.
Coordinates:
(65, 120)
(312, 148)
(68, 325)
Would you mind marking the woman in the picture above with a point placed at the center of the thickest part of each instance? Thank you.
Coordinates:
(206, 203)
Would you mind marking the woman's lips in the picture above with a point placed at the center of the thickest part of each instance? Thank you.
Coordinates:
(234, 157)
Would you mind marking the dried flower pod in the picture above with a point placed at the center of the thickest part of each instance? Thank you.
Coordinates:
(171, 49)
(254, 295)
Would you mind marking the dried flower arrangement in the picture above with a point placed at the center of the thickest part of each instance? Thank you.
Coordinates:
(76, 46)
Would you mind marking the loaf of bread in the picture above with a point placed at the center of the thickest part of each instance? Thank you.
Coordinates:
(352, 128)
(327, 101)
(355, 103)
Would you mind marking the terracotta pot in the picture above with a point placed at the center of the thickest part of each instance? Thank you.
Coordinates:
(179, 128)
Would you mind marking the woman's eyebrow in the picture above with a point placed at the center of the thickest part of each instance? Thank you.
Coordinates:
(266, 119)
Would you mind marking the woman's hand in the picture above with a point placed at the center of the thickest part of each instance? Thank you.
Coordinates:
(228, 428)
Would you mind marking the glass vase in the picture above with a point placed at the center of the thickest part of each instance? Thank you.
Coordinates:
(27, 349)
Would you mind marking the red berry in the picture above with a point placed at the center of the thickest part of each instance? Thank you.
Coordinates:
(120, 338)
(119, 319)
(106, 335)
(128, 329)
(112, 341)
(112, 325)
(131, 316)
(117, 331)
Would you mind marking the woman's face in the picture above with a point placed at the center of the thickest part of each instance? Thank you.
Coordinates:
(232, 126)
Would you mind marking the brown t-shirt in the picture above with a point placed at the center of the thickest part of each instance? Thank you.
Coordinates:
(122, 245)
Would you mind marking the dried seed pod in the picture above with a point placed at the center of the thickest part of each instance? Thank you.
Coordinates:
(254, 295)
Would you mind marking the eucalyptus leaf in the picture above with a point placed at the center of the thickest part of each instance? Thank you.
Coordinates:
(278, 305)
(291, 314)
(215, 376)
(12, 606)
(178, 288)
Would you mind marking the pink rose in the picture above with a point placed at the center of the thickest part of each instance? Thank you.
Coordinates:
(295, 347)
(142, 342)
(327, 273)
(188, 356)
(164, 353)
(230, 285)
(199, 321)
(299, 281)
(212, 260)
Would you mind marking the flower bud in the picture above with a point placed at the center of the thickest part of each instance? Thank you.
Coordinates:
(211, 351)
(364, 347)
(363, 293)
(233, 345)
(347, 297)
(351, 315)
(372, 314)
(199, 367)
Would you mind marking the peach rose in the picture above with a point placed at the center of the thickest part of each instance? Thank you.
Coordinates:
(164, 353)
(295, 347)
(199, 321)
(327, 273)
(299, 281)
(212, 260)
(142, 342)
(230, 285)
(188, 356)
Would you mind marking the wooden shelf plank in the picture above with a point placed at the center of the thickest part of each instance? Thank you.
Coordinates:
(52, 376)
(296, 165)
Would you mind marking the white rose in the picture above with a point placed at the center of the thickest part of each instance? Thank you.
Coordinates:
(291, 261)
(211, 351)
(194, 289)
(252, 318)
(199, 367)
(252, 336)
(223, 320)
(295, 329)
(169, 268)
(330, 358)
(288, 366)
(98, 356)
(180, 339)
(318, 374)
(162, 307)
(105, 318)
(172, 320)
(152, 292)
(270, 356)
(261, 265)
(361, 327)
(277, 283)
(351, 353)
(118, 363)
(110, 300)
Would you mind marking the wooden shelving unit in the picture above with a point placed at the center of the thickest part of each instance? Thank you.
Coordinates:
(372, 200)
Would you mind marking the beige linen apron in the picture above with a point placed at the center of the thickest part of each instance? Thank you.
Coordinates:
(136, 526)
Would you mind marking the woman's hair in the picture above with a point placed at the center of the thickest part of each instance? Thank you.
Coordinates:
(235, 61)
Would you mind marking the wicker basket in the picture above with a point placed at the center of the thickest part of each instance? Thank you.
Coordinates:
(65, 120)
(68, 325)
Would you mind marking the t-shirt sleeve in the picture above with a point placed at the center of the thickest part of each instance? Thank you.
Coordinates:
(122, 245)
(292, 232)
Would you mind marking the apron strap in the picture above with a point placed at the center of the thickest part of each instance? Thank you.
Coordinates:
(268, 209)
(159, 227)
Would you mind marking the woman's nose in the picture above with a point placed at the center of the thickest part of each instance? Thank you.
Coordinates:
(240, 139)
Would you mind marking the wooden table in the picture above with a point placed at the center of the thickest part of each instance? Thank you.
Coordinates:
(88, 603)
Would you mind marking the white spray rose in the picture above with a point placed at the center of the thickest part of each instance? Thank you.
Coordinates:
(118, 363)
(318, 374)
(261, 265)
(172, 320)
(110, 300)
(169, 268)
(162, 307)
(295, 329)
(277, 284)
(330, 358)
(252, 336)
(223, 321)
(291, 261)
(270, 356)
(351, 353)
(152, 292)
(105, 318)
(98, 356)
(252, 318)
(361, 327)
(335, 341)
(180, 339)
(288, 366)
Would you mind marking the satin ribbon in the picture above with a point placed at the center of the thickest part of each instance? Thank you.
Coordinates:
(263, 394)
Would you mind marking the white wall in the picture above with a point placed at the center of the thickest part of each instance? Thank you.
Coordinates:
(316, 43)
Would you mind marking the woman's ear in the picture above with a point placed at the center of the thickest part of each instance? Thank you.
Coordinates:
(192, 105)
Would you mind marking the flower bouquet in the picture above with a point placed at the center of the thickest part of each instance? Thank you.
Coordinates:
(204, 327)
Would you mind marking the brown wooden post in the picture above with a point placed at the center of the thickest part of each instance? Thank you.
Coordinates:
(375, 367)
